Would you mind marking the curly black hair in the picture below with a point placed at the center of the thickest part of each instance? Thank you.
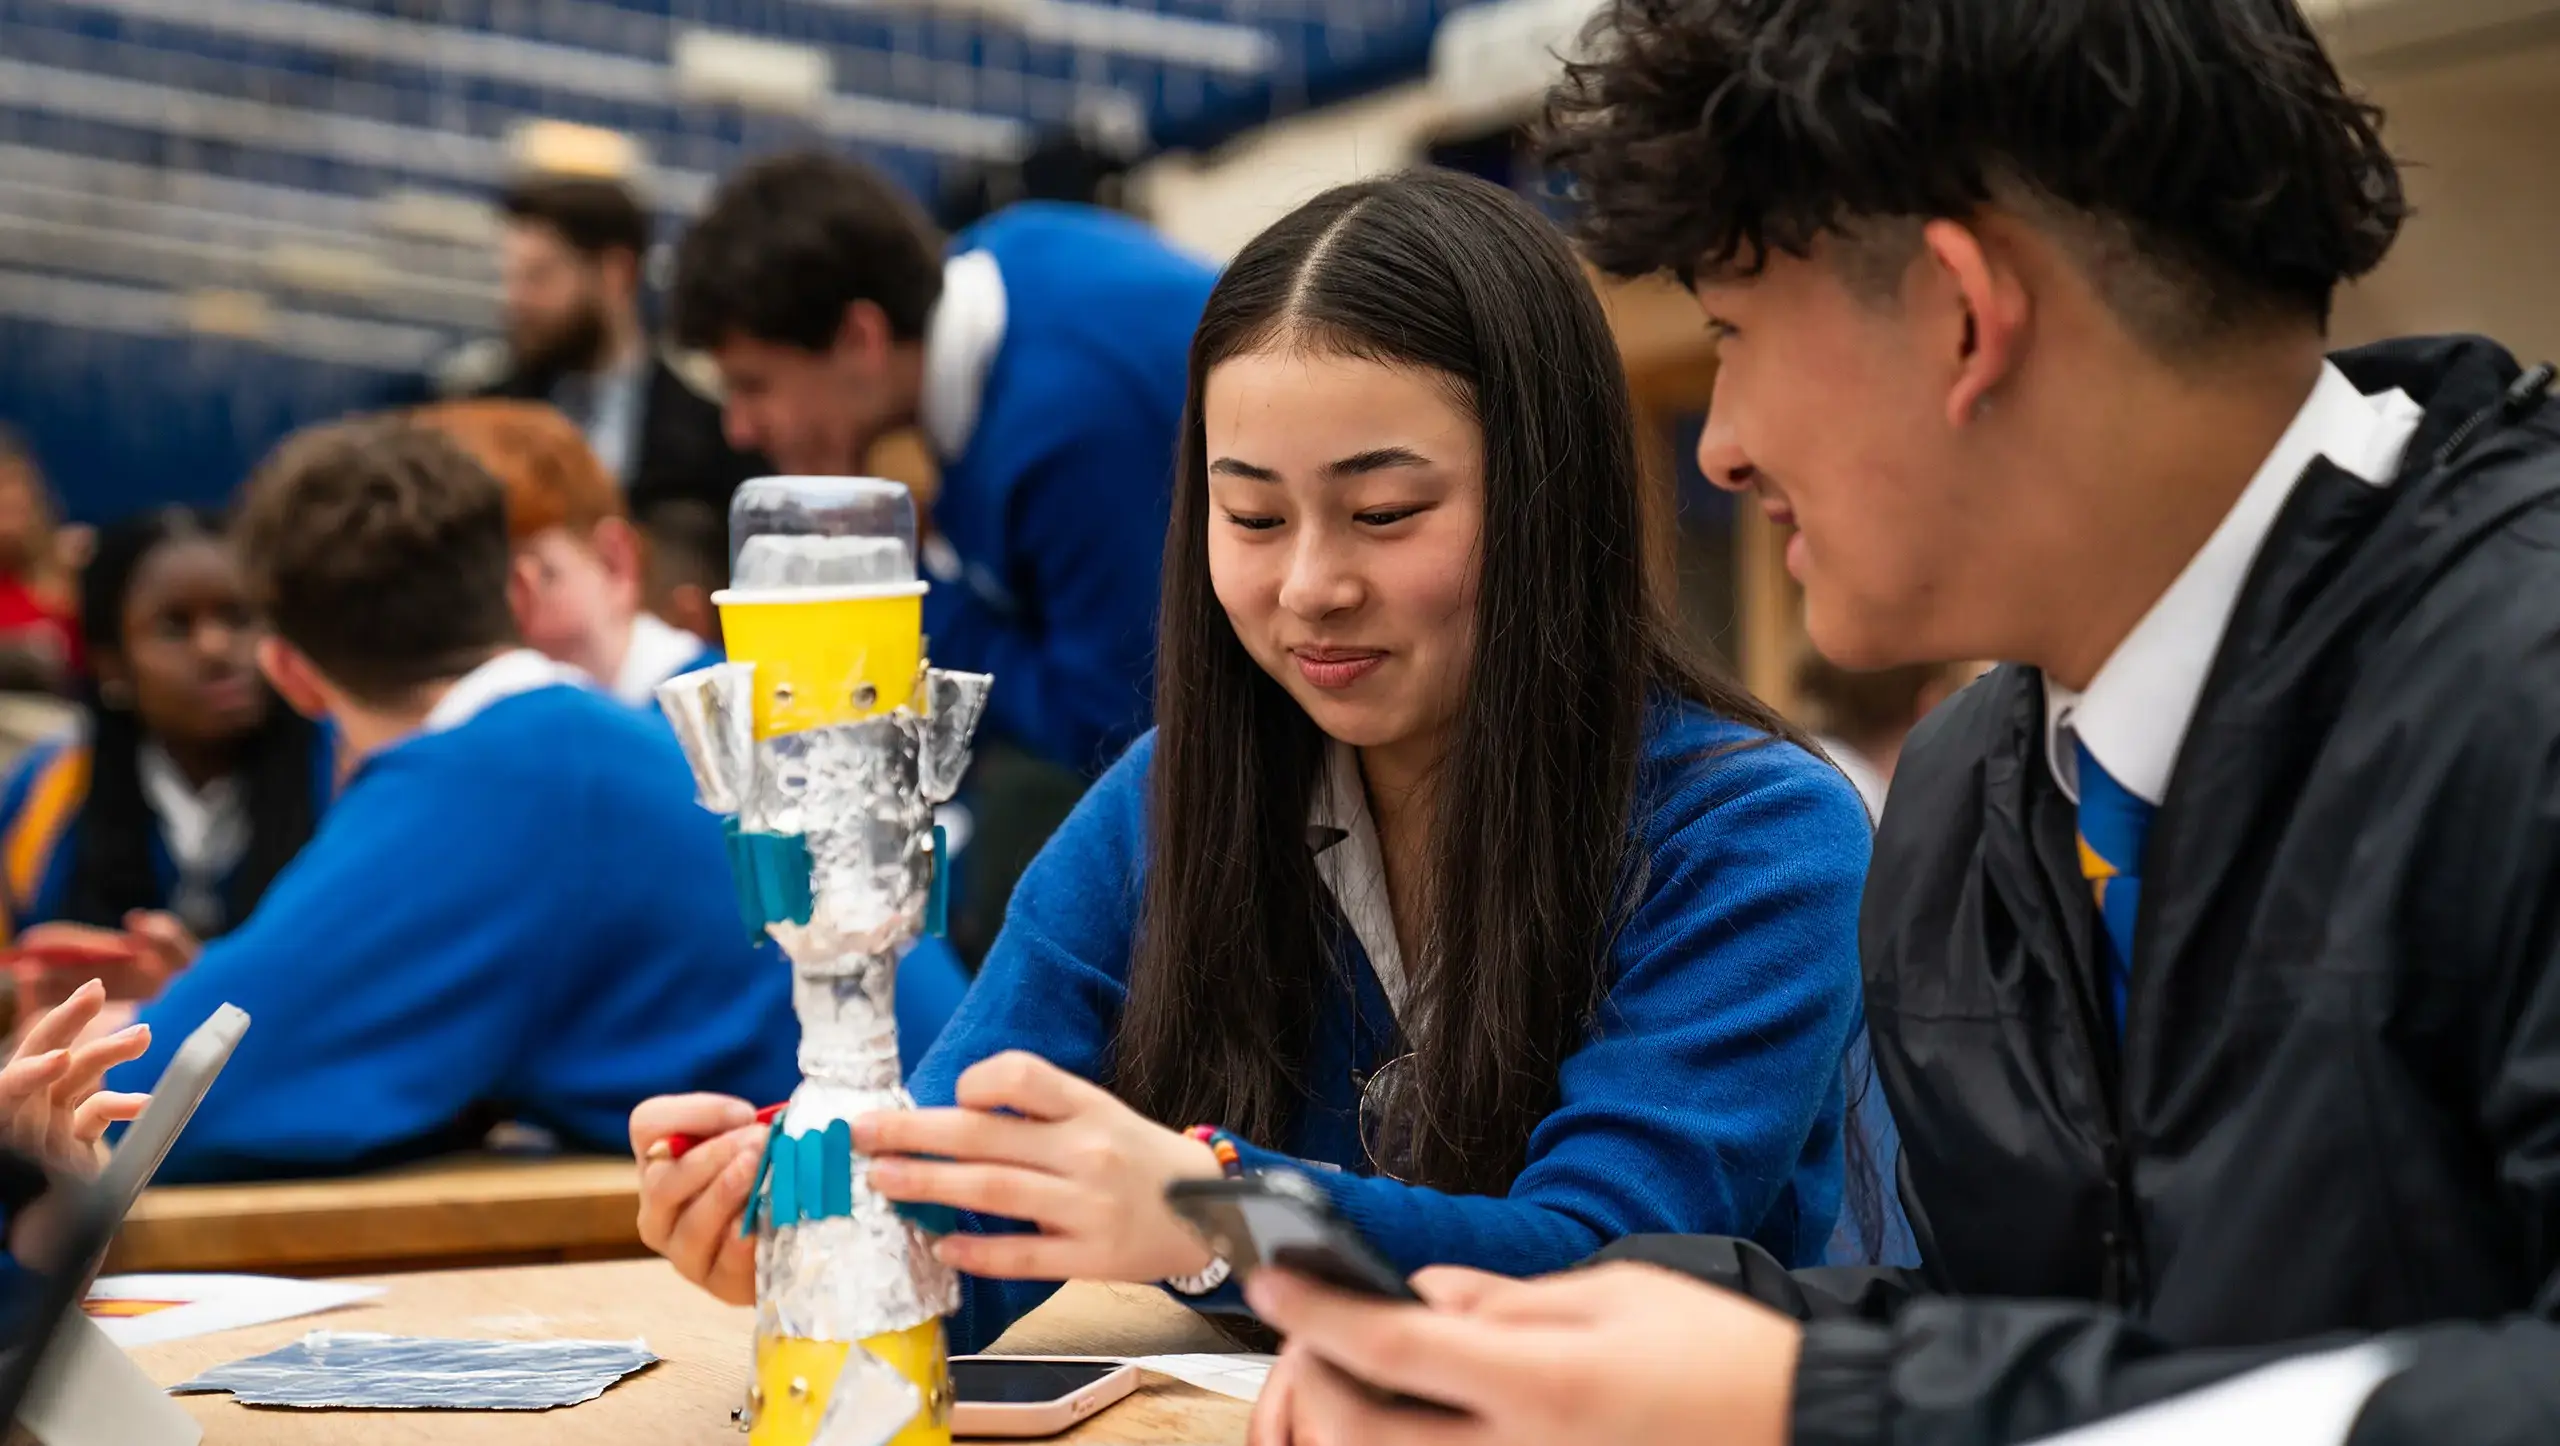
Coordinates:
(2205, 144)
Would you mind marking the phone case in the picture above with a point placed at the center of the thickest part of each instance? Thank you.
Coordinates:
(1026, 1420)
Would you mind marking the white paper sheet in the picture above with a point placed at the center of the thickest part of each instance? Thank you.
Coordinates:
(1240, 1375)
(141, 1310)
(2308, 1401)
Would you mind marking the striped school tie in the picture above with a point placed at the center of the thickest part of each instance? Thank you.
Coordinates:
(2113, 825)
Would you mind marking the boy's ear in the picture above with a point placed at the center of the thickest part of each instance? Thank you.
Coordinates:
(294, 678)
(618, 546)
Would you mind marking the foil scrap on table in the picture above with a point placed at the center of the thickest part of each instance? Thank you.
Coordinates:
(366, 1370)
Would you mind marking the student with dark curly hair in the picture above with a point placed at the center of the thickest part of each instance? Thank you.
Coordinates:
(2210, 957)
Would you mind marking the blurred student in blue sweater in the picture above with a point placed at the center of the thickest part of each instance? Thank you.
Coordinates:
(1041, 354)
(186, 788)
(1043, 357)
(576, 591)
(1444, 872)
(515, 911)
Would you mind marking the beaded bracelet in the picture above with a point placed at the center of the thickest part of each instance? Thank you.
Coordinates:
(1231, 1162)
(1222, 1145)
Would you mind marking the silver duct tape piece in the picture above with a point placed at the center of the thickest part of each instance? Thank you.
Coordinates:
(712, 712)
(954, 702)
(869, 1404)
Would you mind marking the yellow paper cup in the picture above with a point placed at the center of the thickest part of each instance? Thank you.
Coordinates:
(825, 656)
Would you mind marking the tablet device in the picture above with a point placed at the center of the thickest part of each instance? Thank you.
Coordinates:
(58, 1368)
(49, 1291)
(182, 1087)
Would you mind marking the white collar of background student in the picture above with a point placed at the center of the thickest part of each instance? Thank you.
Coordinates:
(519, 670)
(2134, 714)
(960, 344)
(206, 831)
(657, 650)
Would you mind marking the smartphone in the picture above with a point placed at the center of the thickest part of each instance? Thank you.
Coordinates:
(1032, 1395)
(1281, 1218)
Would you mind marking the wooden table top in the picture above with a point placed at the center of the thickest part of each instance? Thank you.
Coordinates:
(467, 1210)
(688, 1396)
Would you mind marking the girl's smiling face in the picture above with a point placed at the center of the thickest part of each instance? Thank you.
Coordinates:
(1346, 517)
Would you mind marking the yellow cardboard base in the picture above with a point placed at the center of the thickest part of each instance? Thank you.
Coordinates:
(794, 1378)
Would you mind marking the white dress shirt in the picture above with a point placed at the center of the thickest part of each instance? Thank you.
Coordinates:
(607, 407)
(2134, 714)
(960, 343)
(518, 670)
(658, 651)
(207, 833)
(1348, 858)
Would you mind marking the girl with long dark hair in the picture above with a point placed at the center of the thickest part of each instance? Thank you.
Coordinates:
(189, 786)
(1445, 874)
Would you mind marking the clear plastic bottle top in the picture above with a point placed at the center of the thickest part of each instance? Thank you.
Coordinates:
(787, 534)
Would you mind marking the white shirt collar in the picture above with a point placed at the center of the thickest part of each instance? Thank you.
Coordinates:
(206, 830)
(2134, 714)
(960, 344)
(1349, 860)
(658, 650)
(518, 670)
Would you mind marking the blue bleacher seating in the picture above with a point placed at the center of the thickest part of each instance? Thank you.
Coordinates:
(222, 127)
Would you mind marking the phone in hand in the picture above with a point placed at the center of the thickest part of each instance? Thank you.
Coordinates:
(1017, 1396)
(1280, 1218)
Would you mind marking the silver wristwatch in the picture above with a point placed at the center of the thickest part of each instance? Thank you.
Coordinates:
(1202, 1282)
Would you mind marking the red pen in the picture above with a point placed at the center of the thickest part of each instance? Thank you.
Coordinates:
(673, 1147)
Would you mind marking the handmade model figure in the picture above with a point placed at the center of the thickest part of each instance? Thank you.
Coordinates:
(827, 741)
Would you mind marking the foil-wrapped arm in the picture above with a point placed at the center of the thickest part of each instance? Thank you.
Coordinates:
(713, 713)
(954, 702)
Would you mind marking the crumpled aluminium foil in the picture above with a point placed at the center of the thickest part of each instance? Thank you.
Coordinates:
(713, 714)
(861, 796)
(372, 1371)
(954, 702)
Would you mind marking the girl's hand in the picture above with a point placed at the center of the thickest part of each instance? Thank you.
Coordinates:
(690, 1205)
(51, 1106)
(1071, 1159)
